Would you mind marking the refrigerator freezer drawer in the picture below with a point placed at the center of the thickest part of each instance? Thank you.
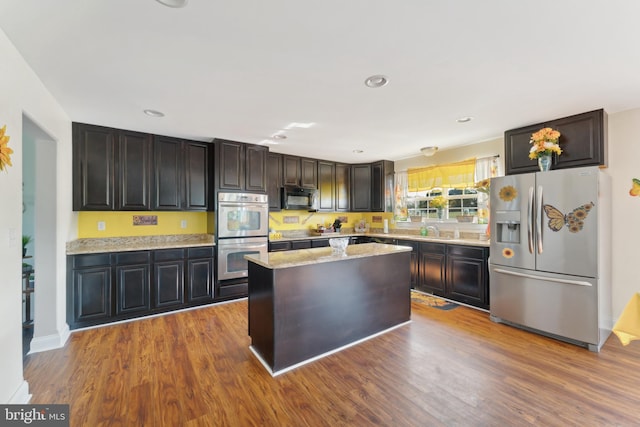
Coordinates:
(560, 305)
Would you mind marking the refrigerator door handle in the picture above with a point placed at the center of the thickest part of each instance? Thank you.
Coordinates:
(539, 219)
(548, 279)
(530, 209)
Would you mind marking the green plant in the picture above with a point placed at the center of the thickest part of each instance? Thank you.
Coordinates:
(25, 241)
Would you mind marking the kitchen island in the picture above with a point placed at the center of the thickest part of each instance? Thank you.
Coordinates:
(307, 303)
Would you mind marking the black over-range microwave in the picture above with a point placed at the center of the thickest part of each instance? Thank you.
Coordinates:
(297, 198)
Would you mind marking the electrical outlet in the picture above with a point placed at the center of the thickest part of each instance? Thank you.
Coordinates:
(101, 226)
(183, 223)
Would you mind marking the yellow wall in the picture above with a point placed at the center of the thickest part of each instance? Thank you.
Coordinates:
(120, 224)
(310, 220)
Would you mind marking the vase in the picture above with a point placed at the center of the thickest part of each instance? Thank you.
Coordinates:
(440, 212)
(544, 162)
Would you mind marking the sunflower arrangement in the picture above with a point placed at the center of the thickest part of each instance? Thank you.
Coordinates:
(483, 186)
(544, 142)
(5, 151)
(438, 202)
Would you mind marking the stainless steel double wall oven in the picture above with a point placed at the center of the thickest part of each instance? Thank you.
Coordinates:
(243, 229)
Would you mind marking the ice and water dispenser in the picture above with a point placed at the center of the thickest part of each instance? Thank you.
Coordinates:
(508, 226)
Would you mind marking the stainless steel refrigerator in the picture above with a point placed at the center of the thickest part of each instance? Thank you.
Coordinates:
(550, 259)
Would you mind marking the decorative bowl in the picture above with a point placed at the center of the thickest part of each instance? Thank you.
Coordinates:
(339, 244)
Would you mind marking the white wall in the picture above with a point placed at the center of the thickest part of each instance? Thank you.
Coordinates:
(23, 93)
(478, 150)
(624, 164)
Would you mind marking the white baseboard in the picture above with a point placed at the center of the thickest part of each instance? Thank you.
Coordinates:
(50, 342)
(21, 396)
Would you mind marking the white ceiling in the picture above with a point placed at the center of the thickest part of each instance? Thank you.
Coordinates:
(246, 69)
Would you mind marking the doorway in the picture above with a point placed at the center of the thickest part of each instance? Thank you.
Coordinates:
(39, 224)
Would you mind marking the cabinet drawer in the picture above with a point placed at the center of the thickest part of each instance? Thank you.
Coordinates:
(141, 257)
(168, 254)
(466, 251)
(319, 243)
(433, 248)
(93, 260)
(279, 246)
(301, 244)
(205, 252)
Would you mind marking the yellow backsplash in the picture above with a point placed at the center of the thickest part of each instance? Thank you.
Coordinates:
(303, 220)
(119, 224)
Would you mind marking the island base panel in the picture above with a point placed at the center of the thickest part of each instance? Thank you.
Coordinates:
(298, 313)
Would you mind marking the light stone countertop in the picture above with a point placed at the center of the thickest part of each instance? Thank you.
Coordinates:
(138, 243)
(401, 236)
(299, 257)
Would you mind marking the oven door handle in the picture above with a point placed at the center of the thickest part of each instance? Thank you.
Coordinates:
(244, 206)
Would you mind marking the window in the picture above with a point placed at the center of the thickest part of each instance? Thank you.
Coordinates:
(462, 201)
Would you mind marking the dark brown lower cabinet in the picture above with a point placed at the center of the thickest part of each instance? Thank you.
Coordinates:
(468, 275)
(168, 269)
(455, 272)
(200, 274)
(107, 287)
(415, 247)
(133, 282)
(432, 269)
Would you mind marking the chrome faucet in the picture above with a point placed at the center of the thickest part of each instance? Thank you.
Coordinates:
(436, 232)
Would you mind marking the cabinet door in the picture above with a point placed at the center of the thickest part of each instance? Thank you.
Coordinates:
(583, 141)
(134, 171)
(432, 268)
(168, 173)
(94, 180)
(200, 280)
(230, 165)
(343, 186)
(361, 188)
(326, 186)
(169, 283)
(467, 273)
(92, 295)
(274, 181)
(309, 173)
(381, 185)
(256, 168)
(414, 260)
(291, 170)
(132, 289)
(196, 174)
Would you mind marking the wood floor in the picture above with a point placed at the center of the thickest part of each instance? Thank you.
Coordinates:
(445, 368)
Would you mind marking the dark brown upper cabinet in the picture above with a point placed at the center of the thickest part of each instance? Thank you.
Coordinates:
(583, 141)
(241, 167)
(381, 186)
(123, 170)
(274, 181)
(361, 188)
(181, 174)
(343, 187)
(300, 171)
(111, 169)
(326, 186)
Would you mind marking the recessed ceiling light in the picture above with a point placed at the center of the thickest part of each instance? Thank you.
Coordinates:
(464, 119)
(376, 81)
(358, 151)
(298, 125)
(173, 3)
(154, 113)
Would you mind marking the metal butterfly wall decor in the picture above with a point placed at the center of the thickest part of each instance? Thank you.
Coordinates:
(574, 220)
